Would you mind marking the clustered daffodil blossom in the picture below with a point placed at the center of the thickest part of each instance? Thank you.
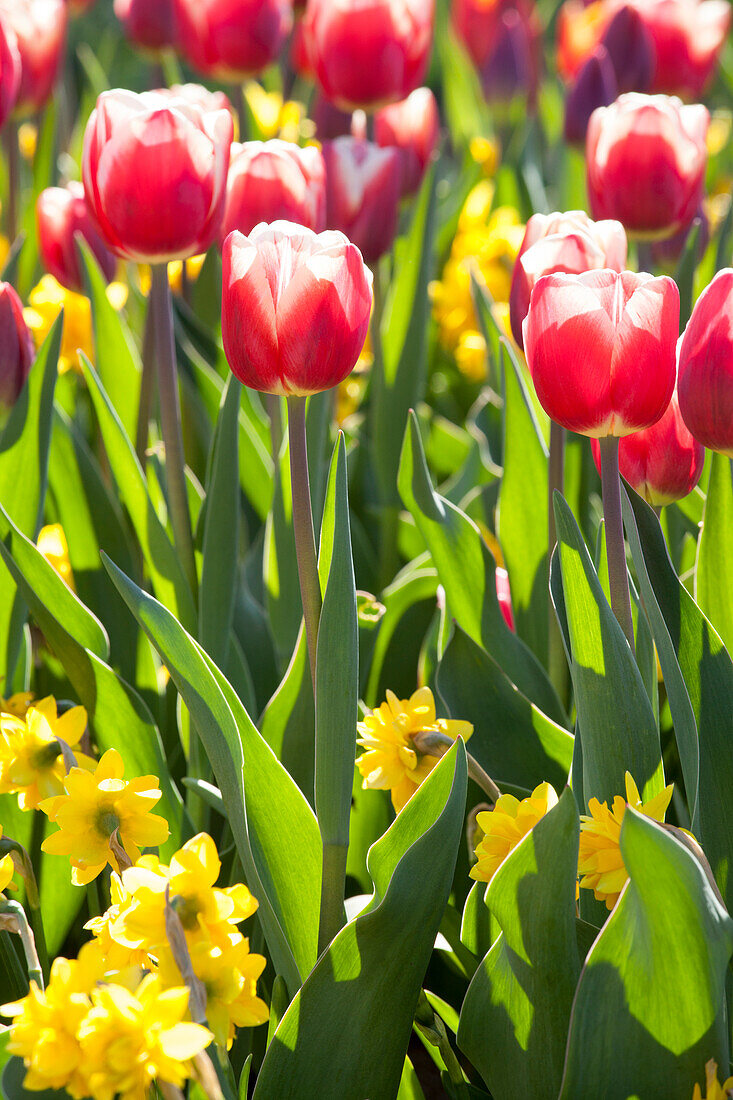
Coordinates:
(275, 117)
(504, 826)
(713, 1088)
(31, 760)
(46, 301)
(391, 760)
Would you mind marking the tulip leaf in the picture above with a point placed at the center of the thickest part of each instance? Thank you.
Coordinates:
(288, 721)
(24, 447)
(714, 573)
(616, 723)
(275, 830)
(467, 571)
(370, 976)
(632, 1033)
(514, 1019)
(45, 174)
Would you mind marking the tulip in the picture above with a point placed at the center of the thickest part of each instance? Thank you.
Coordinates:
(299, 57)
(17, 347)
(198, 96)
(557, 243)
(40, 33)
(367, 53)
(274, 181)
(413, 127)
(580, 29)
(688, 36)
(9, 70)
(511, 67)
(61, 214)
(668, 251)
(150, 24)
(594, 86)
(646, 159)
(231, 39)
(330, 121)
(504, 596)
(363, 185)
(155, 169)
(630, 47)
(706, 366)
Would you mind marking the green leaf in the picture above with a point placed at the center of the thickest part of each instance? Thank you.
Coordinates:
(416, 584)
(288, 721)
(372, 973)
(714, 572)
(467, 571)
(274, 828)
(45, 174)
(514, 1020)
(684, 274)
(632, 1033)
(467, 112)
(616, 723)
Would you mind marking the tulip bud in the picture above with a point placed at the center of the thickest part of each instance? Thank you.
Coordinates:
(631, 50)
(688, 36)
(363, 184)
(61, 213)
(646, 160)
(295, 308)
(601, 349)
(9, 70)
(231, 39)
(366, 53)
(40, 34)
(556, 243)
(155, 169)
(274, 181)
(594, 86)
(706, 366)
(510, 67)
(504, 596)
(149, 24)
(16, 346)
(413, 127)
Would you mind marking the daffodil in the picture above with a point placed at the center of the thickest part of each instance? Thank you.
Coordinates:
(391, 760)
(118, 955)
(46, 301)
(504, 826)
(31, 761)
(274, 117)
(713, 1089)
(17, 704)
(7, 868)
(175, 273)
(600, 863)
(53, 545)
(96, 806)
(128, 1040)
(27, 140)
(486, 152)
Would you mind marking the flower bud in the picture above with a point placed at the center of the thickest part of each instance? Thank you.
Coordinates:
(630, 47)
(40, 34)
(510, 68)
(16, 343)
(274, 181)
(706, 366)
(295, 308)
(413, 127)
(594, 86)
(149, 24)
(61, 213)
(363, 184)
(231, 39)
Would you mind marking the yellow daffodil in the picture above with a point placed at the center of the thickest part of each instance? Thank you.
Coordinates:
(17, 704)
(7, 868)
(95, 807)
(713, 1089)
(4, 250)
(31, 761)
(27, 140)
(55, 549)
(275, 118)
(46, 301)
(128, 1040)
(175, 273)
(600, 863)
(505, 825)
(486, 152)
(118, 956)
(391, 761)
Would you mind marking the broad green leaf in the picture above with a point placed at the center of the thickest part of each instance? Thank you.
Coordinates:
(467, 113)
(648, 1011)
(714, 573)
(514, 1020)
(275, 830)
(354, 1014)
(288, 721)
(615, 719)
(467, 571)
(13, 978)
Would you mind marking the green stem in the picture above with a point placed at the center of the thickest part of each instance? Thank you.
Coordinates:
(274, 411)
(13, 919)
(305, 540)
(32, 890)
(618, 577)
(10, 136)
(331, 919)
(146, 387)
(241, 108)
(170, 421)
(556, 661)
(644, 258)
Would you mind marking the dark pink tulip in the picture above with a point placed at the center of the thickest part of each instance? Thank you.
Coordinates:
(413, 127)
(155, 169)
(231, 39)
(9, 69)
(331, 122)
(40, 34)
(274, 181)
(706, 366)
(150, 24)
(645, 162)
(16, 346)
(504, 595)
(556, 243)
(593, 86)
(601, 349)
(630, 47)
(363, 185)
(511, 68)
(688, 36)
(295, 308)
(61, 214)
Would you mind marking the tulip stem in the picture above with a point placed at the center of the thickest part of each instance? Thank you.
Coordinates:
(333, 878)
(274, 412)
(10, 136)
(170, 421)
(618, 577)
(146, 387)
(305, 540)
(556, 661)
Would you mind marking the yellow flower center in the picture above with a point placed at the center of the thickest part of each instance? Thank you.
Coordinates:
(46, 756)
(188, 910)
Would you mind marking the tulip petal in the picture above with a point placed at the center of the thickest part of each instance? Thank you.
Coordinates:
(248, 317)
(643, 362)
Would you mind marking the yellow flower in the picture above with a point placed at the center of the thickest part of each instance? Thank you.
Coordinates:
(486, 153)
(275, 118)
(17, 704)
(46, 301)
(4, 250)
(175, 272)
(600, 864)
(714, 1090)
(391, 761)
(117, 956)
(505, 825)
(719, 132)
(55, 549)
(95, 806)
(27, 140)
(7, 868)
(128, 1040)
(31, 763)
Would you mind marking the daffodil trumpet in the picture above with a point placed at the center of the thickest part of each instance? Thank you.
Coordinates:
(435, 743)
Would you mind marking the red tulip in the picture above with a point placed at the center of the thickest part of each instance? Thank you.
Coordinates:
(413, 127)
(366, 53)
(646, 159)
(706, 366)
(662, 463)
(150, 24)
(155, 169)
(231, 39)
(40, 32)
(274, 181)
(9, 70)
(363, 185)
(61, 214)
(504, 595)
(16, 346)
(594, 86)
(299, 57)
(580, 28)
(295, 308)
(688, 37)
(616, 25)
(198, 96)
(601, 349)
(555, 243)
